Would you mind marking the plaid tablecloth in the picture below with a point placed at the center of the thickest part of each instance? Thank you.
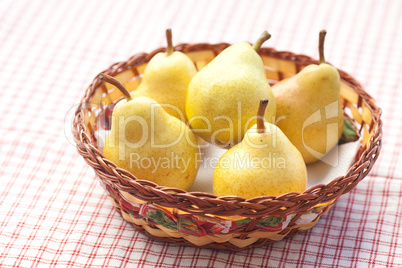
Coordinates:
(53, 212)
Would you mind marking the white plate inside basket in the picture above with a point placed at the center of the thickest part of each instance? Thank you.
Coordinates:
(334, 164)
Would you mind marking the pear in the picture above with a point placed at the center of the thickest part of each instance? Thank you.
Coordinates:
(309, 109)
(153, 145)
(166, 79)
(221, 97)
(264, 163)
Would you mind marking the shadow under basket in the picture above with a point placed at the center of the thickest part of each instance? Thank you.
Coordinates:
(202, 219)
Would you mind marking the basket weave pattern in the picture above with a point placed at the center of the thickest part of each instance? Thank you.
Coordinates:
(126, 188)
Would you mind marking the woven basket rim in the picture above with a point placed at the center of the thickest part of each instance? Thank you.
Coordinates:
(202, 202)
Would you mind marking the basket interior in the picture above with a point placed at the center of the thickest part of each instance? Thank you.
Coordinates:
(276, 69)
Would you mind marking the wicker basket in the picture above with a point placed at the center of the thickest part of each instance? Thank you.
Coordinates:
(202, 219)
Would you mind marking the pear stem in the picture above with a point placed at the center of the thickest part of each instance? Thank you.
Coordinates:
(264, 37)
(260, 116)
(111, 80)
(321, 45)
(169, 49)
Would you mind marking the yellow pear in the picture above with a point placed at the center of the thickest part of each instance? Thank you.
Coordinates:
(309, 109)
(153, 145)
(264, 163)
(221, 97)
(166, 79)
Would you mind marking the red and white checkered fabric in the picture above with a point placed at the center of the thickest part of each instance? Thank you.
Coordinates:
(53, 212)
